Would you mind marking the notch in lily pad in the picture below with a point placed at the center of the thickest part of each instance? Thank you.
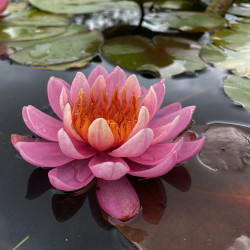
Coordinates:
(164, 56)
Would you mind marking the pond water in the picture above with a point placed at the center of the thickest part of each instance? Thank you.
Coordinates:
(52, 219)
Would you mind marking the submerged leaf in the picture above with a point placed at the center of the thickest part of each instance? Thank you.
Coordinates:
(238, 89)
(237, 62)
(75, 45)
(185, 21)
(165, 56)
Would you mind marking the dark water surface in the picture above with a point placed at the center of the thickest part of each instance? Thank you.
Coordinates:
(54, 220)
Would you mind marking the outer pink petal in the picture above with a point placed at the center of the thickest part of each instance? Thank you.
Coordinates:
(185, 118)
(118, 198)
(71, 176)
(107, 167)
(131, 87)
(63, 99)
(41, 124)
(42, 154)
(74, 149)
(98, 70)
(167, 110)
(159, 89)
(150, 102)
(136, 145)
(100, 136)
(68, 126)
(98, 88)
(3, 5)
(55, 86)
(79, 82)
(155, 154)
(166, 132)
(116, 78)
(154, 171)
(142, 122)
(15, 138)
(189, 149)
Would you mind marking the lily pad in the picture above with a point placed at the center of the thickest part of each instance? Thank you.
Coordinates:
(232, 39)
(174, 5)
(24, 33)
(77, 6)
(165, 56)
(242, 27)
(65, 49)
(186, 21)
(217, 203)
(238, 89)
(240, 8)
(237, 62)
(33, 17)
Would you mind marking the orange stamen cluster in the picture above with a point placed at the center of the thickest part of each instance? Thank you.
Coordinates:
(120, 115)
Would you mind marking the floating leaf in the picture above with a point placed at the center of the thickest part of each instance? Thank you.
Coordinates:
(240, 8)
(238, 89)
(165, 56)
(174, 5)
(33, 17)
(237, 62)
(77, 6)
(242, 27)
(65, 49)
(13, 7)
(24, 33)
(186, 21)
(232, 39)
(217, 202)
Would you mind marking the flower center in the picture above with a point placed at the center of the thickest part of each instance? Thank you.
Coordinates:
(120, 115)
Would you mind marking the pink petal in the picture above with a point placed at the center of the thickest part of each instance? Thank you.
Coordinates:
(155, 154)
(166, 132)
(98, 88)
(189, 149)
(150, 102)
(41, 124)
(15, 138)
(63, 99)
(167, 110)
(100, 136)
(74, 149)
(107, 167)
(136, 145)
(79, 82)
(3, 5)
(118, 198)
(159, 89)
(116, 78)
(71, 176)
(42, 154)
(131, 87)
(185, 118)
(54, 88)
(68, 126)
(98, 70)
(162, 168)
(142, 122)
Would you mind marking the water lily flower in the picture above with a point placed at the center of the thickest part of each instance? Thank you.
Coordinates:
(3, 5)
(110, 127)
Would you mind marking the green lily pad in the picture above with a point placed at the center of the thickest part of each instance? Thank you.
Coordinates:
(60, 50)
(186, 21)
(237, 62)
(232, 39)
(242, 27)
(77, 6)
(238, 89)
(24, 33)
(240, 8)
(165, 56)
(13, 7)
(33, 17)
(174, 5)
